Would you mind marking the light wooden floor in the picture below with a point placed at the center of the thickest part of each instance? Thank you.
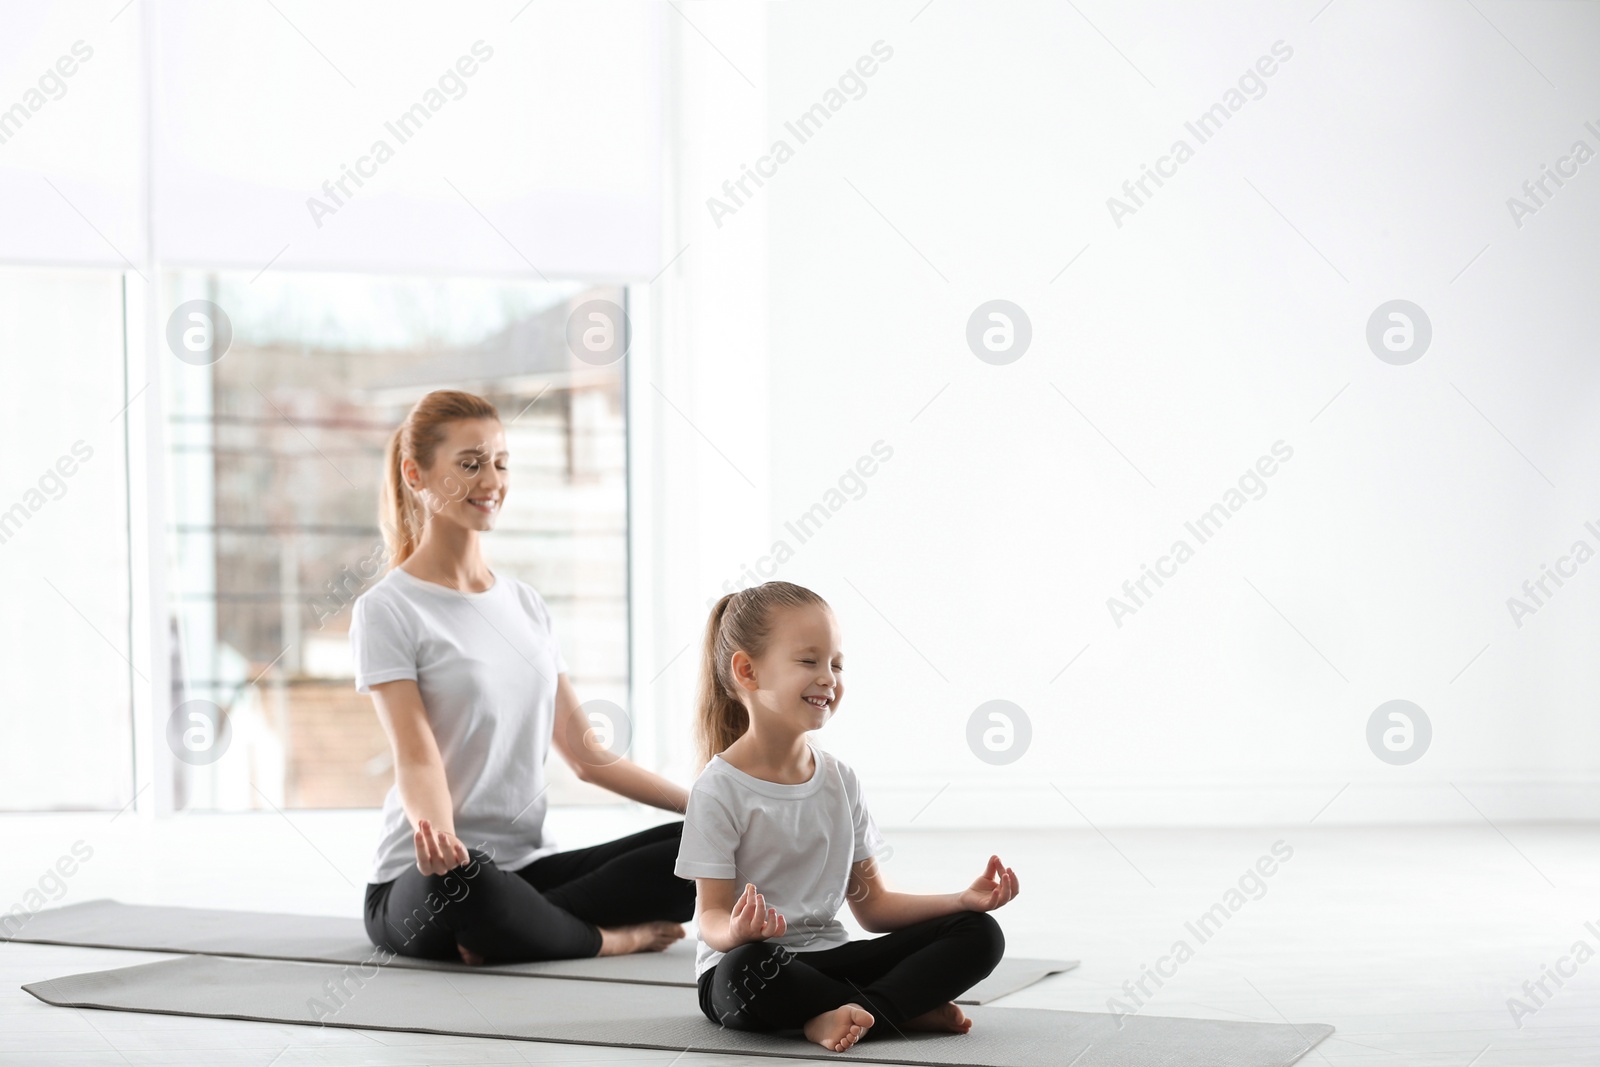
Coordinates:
(1408, 940)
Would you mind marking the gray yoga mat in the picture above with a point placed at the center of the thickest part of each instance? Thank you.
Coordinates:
(106, 923)
(647, 1016)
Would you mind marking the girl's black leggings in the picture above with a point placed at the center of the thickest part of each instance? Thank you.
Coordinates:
(762, 986)
(550, 909)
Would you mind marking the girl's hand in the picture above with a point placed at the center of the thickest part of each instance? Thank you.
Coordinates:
(994, 887)
(752, 920)
(437, 850)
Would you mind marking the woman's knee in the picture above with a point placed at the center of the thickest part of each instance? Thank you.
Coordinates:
(677, 895)
(458, 882)
(477, 860)
(465, 889)
(422, 917)
(681, 902)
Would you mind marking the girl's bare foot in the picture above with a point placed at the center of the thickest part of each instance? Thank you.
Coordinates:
(945, 1019)
(840, 1028)
(468, 956)
(643, 937)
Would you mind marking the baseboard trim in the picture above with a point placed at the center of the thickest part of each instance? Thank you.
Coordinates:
(932, 805)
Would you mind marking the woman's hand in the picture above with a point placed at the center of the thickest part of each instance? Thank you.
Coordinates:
(995, 886)
(438, 851)
(752, 920)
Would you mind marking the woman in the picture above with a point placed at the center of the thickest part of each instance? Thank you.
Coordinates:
(472, 690)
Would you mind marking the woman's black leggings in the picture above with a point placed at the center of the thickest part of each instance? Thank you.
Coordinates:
(550, 909)
(762, 986)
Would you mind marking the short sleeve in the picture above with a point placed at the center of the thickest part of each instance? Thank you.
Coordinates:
(379, 645)
(543, 612)
(868, 840)
(710, 838)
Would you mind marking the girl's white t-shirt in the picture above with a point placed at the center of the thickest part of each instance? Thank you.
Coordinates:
(486, 665)
(796, 843)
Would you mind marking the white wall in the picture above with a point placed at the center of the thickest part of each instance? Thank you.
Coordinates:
(697, 379)
(1228, 313)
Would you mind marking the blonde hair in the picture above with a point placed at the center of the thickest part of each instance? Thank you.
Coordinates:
(418, 437)
(740, 621)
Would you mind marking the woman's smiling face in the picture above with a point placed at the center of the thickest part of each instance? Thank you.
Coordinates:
(799, 677)
(468, 480)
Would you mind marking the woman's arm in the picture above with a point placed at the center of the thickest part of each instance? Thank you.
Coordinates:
(573, 738)
(879, 910)
(725, 923)
(419, 775)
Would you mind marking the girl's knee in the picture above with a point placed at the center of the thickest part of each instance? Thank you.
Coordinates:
(758, 958)
(750, 968)
(738, 981)
(985, 934)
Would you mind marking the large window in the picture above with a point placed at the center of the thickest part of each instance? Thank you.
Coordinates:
(279, 406)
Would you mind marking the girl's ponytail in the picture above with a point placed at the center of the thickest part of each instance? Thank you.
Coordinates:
(740, 621)
(720, 718)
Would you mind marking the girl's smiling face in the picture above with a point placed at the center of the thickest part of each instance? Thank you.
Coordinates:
(799, 678)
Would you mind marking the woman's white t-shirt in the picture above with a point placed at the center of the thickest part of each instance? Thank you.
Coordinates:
(795, 843)
(486, 665)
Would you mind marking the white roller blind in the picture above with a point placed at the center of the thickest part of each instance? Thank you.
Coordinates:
(471, 138)
(70, 161)
(491, 141)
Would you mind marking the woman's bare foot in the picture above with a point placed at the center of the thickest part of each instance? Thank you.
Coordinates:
(468, 956)
(643, 937)
(945, 1019)
(840, 1028)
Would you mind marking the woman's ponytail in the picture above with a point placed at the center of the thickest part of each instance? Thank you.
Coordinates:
(400, 514)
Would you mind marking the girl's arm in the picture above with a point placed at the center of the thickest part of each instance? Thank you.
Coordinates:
(592, 763)
(726, 923)
(879, 910)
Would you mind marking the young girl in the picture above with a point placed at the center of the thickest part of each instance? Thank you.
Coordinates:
(777, 837)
